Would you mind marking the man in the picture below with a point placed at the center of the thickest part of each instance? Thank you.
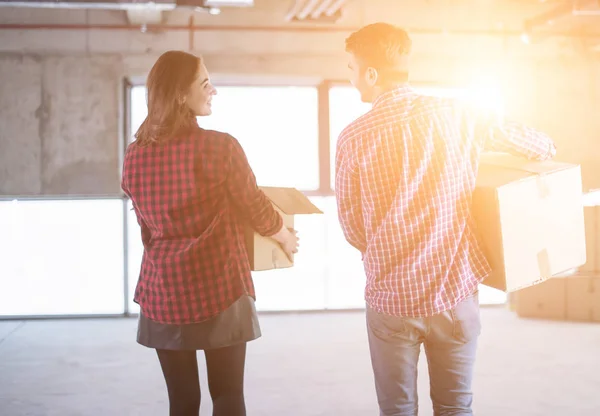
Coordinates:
(405, 174)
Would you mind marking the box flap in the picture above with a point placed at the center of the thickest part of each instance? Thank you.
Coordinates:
(497, 169)
(290, 200)
(531, 167)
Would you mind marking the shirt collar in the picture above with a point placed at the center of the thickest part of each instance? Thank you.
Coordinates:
(395, 94)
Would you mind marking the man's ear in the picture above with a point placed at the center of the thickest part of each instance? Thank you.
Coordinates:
(372, 76)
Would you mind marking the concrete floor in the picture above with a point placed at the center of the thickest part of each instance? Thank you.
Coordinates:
(305, 365)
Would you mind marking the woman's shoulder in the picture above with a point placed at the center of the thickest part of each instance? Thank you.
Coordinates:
(214, 137)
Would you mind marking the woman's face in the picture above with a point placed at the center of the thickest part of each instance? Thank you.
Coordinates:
(201, 92)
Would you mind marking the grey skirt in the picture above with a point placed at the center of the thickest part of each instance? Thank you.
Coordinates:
(236, 325)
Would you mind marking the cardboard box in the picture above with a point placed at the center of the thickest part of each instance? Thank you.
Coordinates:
(574, 298)
(591, 213)
(529, 218)
(546, 300)
(265, 253)
(583, 298)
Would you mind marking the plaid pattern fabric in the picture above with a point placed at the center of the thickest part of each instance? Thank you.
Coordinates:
(405, 174)
(192, 197)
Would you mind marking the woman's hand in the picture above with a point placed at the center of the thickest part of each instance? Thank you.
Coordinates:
(288, 241)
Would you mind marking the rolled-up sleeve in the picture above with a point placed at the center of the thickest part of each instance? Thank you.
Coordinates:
(515, 138)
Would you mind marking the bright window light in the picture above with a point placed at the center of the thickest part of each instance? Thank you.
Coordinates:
(277, 127)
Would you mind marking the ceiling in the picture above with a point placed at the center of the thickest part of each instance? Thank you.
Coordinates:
(538, 18)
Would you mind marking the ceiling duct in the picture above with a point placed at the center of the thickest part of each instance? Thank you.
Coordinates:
(228, 3)
(315, 10)
(125, 4)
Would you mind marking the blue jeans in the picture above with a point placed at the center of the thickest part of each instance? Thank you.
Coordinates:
(450, 341)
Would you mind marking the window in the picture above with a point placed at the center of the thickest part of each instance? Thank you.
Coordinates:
(135, 251)
(61, 257)
(276, 126)
(278, 129)
(138, 109)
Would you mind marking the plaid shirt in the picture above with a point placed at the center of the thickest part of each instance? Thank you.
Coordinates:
(192, 197)
(405, 175)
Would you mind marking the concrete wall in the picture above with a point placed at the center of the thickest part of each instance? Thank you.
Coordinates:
(60, 124)
(61, 90)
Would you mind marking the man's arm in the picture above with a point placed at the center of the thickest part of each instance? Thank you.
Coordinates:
(516, 139)
(347, 192)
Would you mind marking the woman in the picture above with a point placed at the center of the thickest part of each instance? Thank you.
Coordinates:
(193, 193)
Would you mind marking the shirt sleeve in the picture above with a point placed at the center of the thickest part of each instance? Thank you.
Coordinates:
(347, 192)
(514, 138)
(248, 199)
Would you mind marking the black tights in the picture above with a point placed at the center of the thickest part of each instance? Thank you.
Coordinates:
(225, 367)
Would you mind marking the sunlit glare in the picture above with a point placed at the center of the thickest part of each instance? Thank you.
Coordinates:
(485, 93)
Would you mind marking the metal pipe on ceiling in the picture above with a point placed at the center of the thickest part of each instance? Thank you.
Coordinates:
(291, 29)
(167, 27)
(125, 4)
(141, 5)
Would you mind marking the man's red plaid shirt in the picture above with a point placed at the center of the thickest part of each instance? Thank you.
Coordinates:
(405, 175)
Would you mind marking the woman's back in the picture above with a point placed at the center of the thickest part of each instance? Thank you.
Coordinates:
(183, 192)
(178, 187)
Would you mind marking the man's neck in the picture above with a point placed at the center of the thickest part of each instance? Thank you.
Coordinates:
(390, 87)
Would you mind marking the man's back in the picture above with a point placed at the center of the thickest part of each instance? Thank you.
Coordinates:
(405, 176)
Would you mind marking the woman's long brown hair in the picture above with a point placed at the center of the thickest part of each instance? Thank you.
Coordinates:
(168, 83)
